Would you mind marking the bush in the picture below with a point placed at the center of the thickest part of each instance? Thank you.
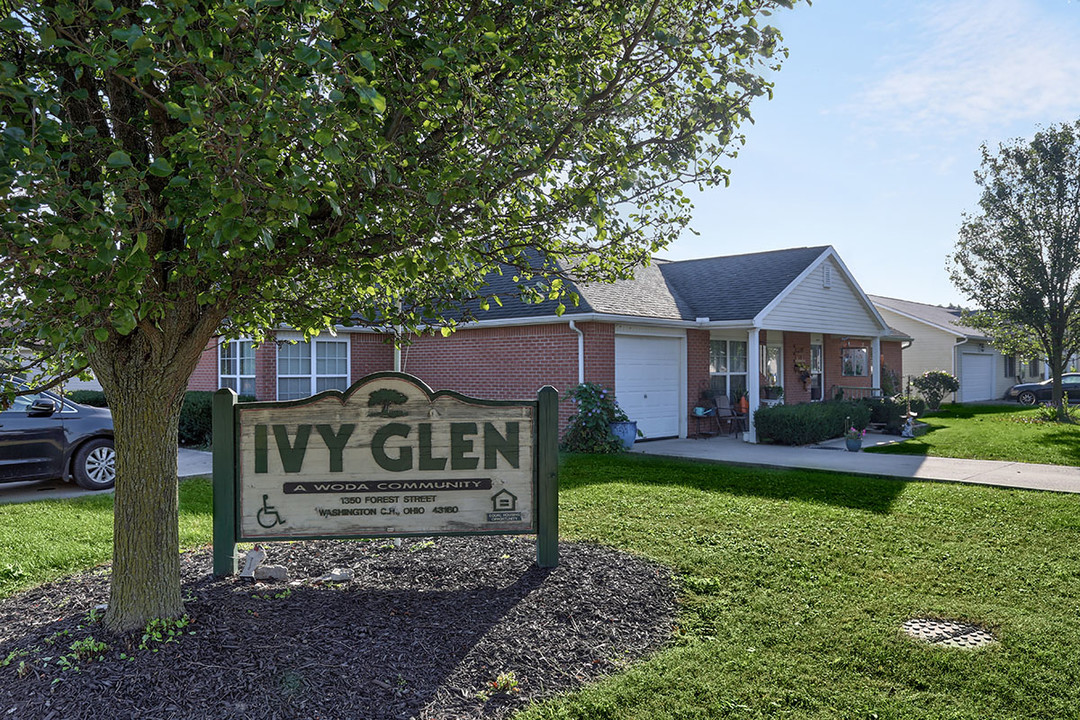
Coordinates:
(934, 385)
(197, 417)
(892, 411)
(809, 422)
(589, 429)
(95, 398)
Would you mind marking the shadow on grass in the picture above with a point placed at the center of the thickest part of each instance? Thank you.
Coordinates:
(871, 494)
(1066, 441)
(911, 447)
(967, 412)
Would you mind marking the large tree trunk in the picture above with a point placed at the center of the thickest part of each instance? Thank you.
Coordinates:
(146, 538)
(145, 377)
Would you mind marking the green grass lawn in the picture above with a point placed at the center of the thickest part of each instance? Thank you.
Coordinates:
(793, 588)
(796, 584)
(44, 540)
(993, 432)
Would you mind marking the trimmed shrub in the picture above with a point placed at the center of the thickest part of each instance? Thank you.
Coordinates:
(809, 422)
(95, 398)
(934, 385)
(197, 417)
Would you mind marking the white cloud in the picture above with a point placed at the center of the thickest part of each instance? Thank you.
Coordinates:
(979, 64)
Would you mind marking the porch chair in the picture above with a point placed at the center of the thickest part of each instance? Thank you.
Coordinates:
(725, 414)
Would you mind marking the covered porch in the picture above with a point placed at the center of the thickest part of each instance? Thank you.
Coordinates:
(772, 366)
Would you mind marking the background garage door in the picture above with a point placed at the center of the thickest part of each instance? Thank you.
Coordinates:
(976, 377)
(647, 382)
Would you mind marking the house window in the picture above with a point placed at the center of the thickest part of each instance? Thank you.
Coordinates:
(727, 367)
(853, 362)
(236, 366)
(304, 369)
(1010, 366)
(1033, 367)
(817, 365)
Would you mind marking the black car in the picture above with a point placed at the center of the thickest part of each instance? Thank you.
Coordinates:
(43, 436)
(1031, 393)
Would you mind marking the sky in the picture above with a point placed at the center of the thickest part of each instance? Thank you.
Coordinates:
(873, 136)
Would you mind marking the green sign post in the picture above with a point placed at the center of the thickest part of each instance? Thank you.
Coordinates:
(386, 458)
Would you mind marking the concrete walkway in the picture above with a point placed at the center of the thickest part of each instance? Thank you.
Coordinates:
(832, 456)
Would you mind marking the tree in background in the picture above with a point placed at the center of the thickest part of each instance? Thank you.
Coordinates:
(178, 169)
(1018, 259)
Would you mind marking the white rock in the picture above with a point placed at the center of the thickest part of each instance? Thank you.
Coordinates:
(337, 575)
(271, 572)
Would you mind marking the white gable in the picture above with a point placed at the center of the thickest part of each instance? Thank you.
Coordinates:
(825, 300)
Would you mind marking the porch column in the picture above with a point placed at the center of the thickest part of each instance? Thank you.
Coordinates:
(875, 365)
(753, 381)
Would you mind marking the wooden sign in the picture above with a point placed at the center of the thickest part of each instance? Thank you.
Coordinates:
(386, 458)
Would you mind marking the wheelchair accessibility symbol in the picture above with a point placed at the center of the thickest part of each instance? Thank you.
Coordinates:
(268, 516)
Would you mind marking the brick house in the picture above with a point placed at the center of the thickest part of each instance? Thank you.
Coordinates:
(666, 341)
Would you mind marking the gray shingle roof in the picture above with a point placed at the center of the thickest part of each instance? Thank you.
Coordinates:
(733, 287)
(934, 314)
(737, 287)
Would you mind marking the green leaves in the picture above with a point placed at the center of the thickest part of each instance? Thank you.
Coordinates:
(119, 159)
(160, 167)
(329, 157)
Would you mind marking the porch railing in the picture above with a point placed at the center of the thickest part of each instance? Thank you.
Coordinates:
(851, 392)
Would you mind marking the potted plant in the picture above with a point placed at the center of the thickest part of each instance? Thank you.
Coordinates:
(853, 438)
(739, 400)
(598, 425)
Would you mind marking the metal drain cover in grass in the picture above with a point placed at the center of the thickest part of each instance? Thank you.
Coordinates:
(947, 633)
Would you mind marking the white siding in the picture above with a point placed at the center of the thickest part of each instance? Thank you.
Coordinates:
(932, 350)
(810, 307)
(1003, 382)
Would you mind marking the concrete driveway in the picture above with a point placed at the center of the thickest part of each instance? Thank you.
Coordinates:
(190, 463)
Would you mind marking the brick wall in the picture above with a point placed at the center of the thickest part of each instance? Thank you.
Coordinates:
(266, 370)
(796, 347)
(512, 363)
(697, 368)
(893, 358)
(833, 367)
(205, 375)
(371, 353)
(599, 354)
(509, 363)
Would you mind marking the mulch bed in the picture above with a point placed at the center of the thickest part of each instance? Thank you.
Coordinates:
(420, 632)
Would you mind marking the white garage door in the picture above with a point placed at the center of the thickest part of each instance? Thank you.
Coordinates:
(976, 377)
(647, 382)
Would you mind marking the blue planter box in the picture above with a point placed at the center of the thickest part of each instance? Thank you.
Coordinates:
(626, 432)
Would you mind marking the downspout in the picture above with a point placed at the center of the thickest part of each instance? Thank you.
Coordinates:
(954, 364)
(580, 352)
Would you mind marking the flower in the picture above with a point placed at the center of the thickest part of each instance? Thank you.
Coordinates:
(853, 433)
